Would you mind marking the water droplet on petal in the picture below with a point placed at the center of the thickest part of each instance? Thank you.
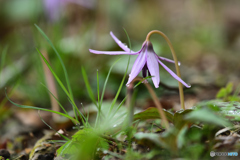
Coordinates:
(189, 85)
(179, 63)
(127, 85)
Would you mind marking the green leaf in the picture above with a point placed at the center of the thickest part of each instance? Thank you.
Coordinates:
(105, 83)
(118, 107)
(152, 113)
(60, 59)
(55, 98)
(221, 93)
(62, 86)
(89, 89)
(230, 110)
(153, 137)
(178, 118)
(225, 92)
(120, 87)
(229, 87)
(54, 74)
(206, 116)
(181, 137)
(69, 93)
(84, 144)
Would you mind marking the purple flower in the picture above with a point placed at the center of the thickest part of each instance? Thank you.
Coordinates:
(147, 61)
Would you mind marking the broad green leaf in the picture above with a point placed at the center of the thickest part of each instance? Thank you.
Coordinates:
(113, 120)
(84, 143)
(230, 110)
(206, 116)
(178, 118)
(152, 113)
(153, 137)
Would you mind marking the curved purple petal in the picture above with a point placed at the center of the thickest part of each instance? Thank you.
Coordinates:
(138, 65)
(166, 59)
(174, 75)
(122, 45)
(153, 67)
(112, 52)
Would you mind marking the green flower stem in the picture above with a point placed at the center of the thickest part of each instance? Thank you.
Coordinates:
(175, 60)
(129, 103)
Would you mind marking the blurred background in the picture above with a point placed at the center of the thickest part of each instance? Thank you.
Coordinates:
(205, 35)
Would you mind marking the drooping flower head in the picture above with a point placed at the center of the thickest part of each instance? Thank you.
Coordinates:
(147, 61)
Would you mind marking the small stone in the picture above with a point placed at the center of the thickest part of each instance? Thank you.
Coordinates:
(4, 153)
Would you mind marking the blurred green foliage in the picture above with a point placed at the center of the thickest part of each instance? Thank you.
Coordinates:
(226, 93)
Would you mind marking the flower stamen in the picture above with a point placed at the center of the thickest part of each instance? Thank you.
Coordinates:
(144, 71)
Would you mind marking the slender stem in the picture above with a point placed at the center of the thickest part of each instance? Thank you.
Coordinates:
(175, 60)
(155, 99)
(129, 103)
(99, 106)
